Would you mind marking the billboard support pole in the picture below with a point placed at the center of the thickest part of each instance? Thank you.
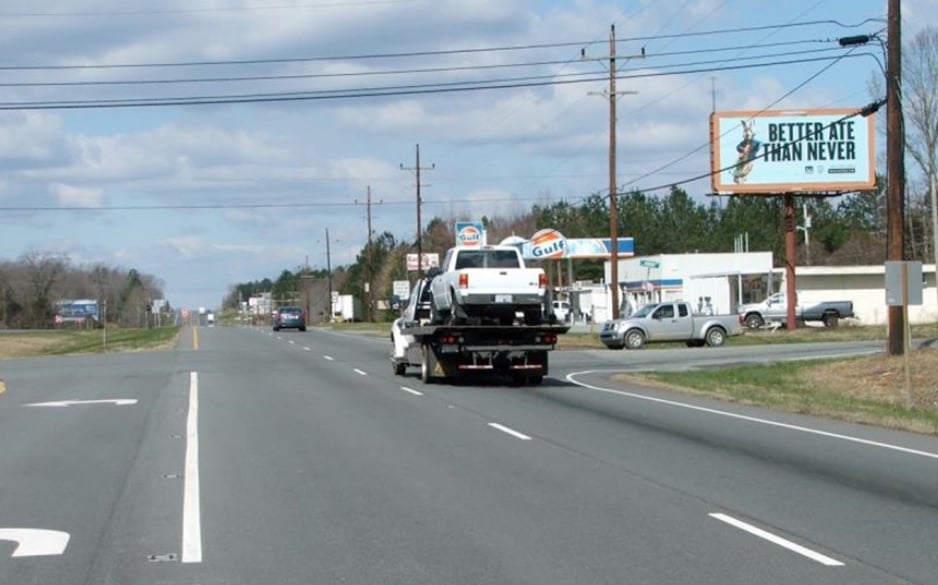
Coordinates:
(791, 293)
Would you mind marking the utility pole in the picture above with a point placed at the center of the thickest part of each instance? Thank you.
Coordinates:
(613, 97)
(369, 258)
(895, 165)
(329, 276)
(418, 168)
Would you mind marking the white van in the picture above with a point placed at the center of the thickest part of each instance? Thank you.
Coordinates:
(562, 310)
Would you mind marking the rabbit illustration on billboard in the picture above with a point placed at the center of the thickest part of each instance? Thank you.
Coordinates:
(748, 150)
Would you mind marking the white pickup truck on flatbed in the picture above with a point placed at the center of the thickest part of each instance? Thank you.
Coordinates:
(488, 285)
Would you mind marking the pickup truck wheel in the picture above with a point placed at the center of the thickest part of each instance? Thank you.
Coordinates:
(754, 321)
(716, 337)
(634, 339)
(831, 319)
(695, 343)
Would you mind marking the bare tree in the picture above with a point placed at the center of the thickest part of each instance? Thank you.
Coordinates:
(920, 110)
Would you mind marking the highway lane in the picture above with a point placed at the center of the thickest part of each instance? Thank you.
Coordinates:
(318, 465)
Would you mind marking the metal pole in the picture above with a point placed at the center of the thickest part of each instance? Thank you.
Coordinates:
(791, 252)
(895, 163)
(329, 276)
(613, 194)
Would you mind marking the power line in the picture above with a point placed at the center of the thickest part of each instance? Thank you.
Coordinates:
(386, 91)
(411, 54)
(414, 71)
(119, 13)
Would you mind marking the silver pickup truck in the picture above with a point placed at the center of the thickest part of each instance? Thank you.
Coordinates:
(657, 322)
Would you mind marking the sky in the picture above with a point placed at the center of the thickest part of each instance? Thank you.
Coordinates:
(213, 142)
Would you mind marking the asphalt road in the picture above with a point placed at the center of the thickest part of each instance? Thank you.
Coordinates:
(253, 457)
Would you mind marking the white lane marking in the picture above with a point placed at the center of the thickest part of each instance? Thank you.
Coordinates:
(753, 419)
(411, 390)
(328, 357)
(360, 372)
(307, 349)
(511, 432)
(191, 507)
(65, 403)
(292, 342)
(782, 542)
(31, 542)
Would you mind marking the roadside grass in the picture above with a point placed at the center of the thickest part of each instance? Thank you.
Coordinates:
(868, 390)
(63, 342)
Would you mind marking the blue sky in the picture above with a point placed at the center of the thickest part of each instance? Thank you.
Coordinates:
(211, 176)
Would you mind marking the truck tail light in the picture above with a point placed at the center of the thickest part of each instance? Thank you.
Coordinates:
(542, 280)
(463, 280)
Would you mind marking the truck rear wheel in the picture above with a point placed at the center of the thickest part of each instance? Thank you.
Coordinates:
(634, 339)
(831, 319)
(399, 368)
(716, 337)
(426, 365)
(754, 321)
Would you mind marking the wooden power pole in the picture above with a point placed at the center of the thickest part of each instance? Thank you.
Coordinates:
(417, 168)
(895, 167)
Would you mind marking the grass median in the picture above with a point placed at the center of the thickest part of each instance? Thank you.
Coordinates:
(61, 342)
(869, 390)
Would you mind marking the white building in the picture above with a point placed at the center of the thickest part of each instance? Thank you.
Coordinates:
(718, 283)
(712, 283)
(866, 287)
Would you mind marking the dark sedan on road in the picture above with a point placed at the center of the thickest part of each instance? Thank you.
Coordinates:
(290, 318)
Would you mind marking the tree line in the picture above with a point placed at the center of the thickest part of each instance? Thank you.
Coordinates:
(32, 284)
(849, 230)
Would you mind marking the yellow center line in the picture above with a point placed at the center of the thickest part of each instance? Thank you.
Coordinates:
(3, 387)
(195, 338)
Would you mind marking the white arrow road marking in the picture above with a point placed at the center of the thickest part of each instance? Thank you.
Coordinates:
(31, 542)
(64, 403)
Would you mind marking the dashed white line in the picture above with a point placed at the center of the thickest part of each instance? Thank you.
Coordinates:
(191, 507)
(328, 358)
(292, 342)
(509, 431)
(782, 542)
(307, 349)
(411, 390)
(360, 372)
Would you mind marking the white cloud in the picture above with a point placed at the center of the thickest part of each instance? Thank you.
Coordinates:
(72, 196)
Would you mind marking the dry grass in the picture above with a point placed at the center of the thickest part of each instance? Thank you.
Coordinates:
(30, 343)
(881, 378)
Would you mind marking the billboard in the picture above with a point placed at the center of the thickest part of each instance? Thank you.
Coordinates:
(429, 261)
(75, 311)
(792, 151)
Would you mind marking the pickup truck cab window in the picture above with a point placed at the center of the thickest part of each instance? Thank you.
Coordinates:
(664, 312)
(682, 310)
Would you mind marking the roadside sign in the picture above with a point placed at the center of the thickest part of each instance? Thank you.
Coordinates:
(912, 283)
(401, 288)
(649, 264)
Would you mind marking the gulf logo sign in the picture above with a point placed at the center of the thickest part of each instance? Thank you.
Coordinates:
(469, 235)
(548, 244)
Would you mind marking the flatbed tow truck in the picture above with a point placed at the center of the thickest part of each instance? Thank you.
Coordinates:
(516, 352)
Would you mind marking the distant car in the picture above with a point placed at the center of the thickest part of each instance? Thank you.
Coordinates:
(290, 318)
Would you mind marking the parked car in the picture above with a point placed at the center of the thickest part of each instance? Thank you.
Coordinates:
(775, 309)
(657, 322)
(290, 318)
